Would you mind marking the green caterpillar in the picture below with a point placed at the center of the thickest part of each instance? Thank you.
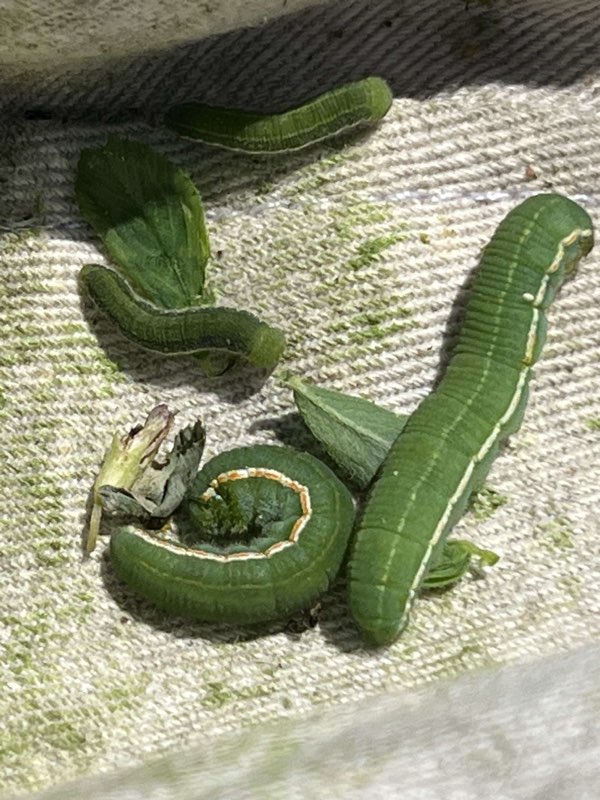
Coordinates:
(265, 528)
(221, 331)
(340, 110)
(450, 441)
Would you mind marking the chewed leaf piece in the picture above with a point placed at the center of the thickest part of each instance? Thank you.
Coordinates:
(455, 561)
(162, 487)
(132, 484)
(150, 217)
(356, 433)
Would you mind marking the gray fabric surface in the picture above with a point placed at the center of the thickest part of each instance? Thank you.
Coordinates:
(39, 38)
(359, 250)
(518, 733)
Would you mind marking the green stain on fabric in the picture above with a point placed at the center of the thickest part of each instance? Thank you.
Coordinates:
(318, 174)
(36, 496)
(593, 423)
(60, 731)
(49, 721)
(369, 250)
(555, 535)
(52, 553)
(218, 694)
(59, 349)
(363, 321)
(361, 215)
(372, 325)
(336, 157)
(126, 697)
(265, 187)
(486, 502)
(63, 732)
(571, 586)
(15, 242)
(101, 366)
(26, 635)
(464, 659)
(560, 534)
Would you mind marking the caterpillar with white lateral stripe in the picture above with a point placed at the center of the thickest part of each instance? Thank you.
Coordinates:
(220, 331)
(264, 532)
(449, 442)
(356, 104)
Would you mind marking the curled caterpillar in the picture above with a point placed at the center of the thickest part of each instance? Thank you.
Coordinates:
(265, 529)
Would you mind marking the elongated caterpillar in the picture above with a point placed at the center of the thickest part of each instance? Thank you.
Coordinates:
(449, 442)
(223, 331)
(265, 531)
(340, 110)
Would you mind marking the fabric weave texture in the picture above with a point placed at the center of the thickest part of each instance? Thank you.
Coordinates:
(361, 250)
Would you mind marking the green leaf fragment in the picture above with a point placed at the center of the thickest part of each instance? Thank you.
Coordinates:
(132, 484)
(126, 459)
(161, 487)
(354, 432)
(455, 561)
(150, 217)
(357, 434)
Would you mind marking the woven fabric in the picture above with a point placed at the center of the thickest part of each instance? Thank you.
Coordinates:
(515, 733)
(359, 250)
(40, 38)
